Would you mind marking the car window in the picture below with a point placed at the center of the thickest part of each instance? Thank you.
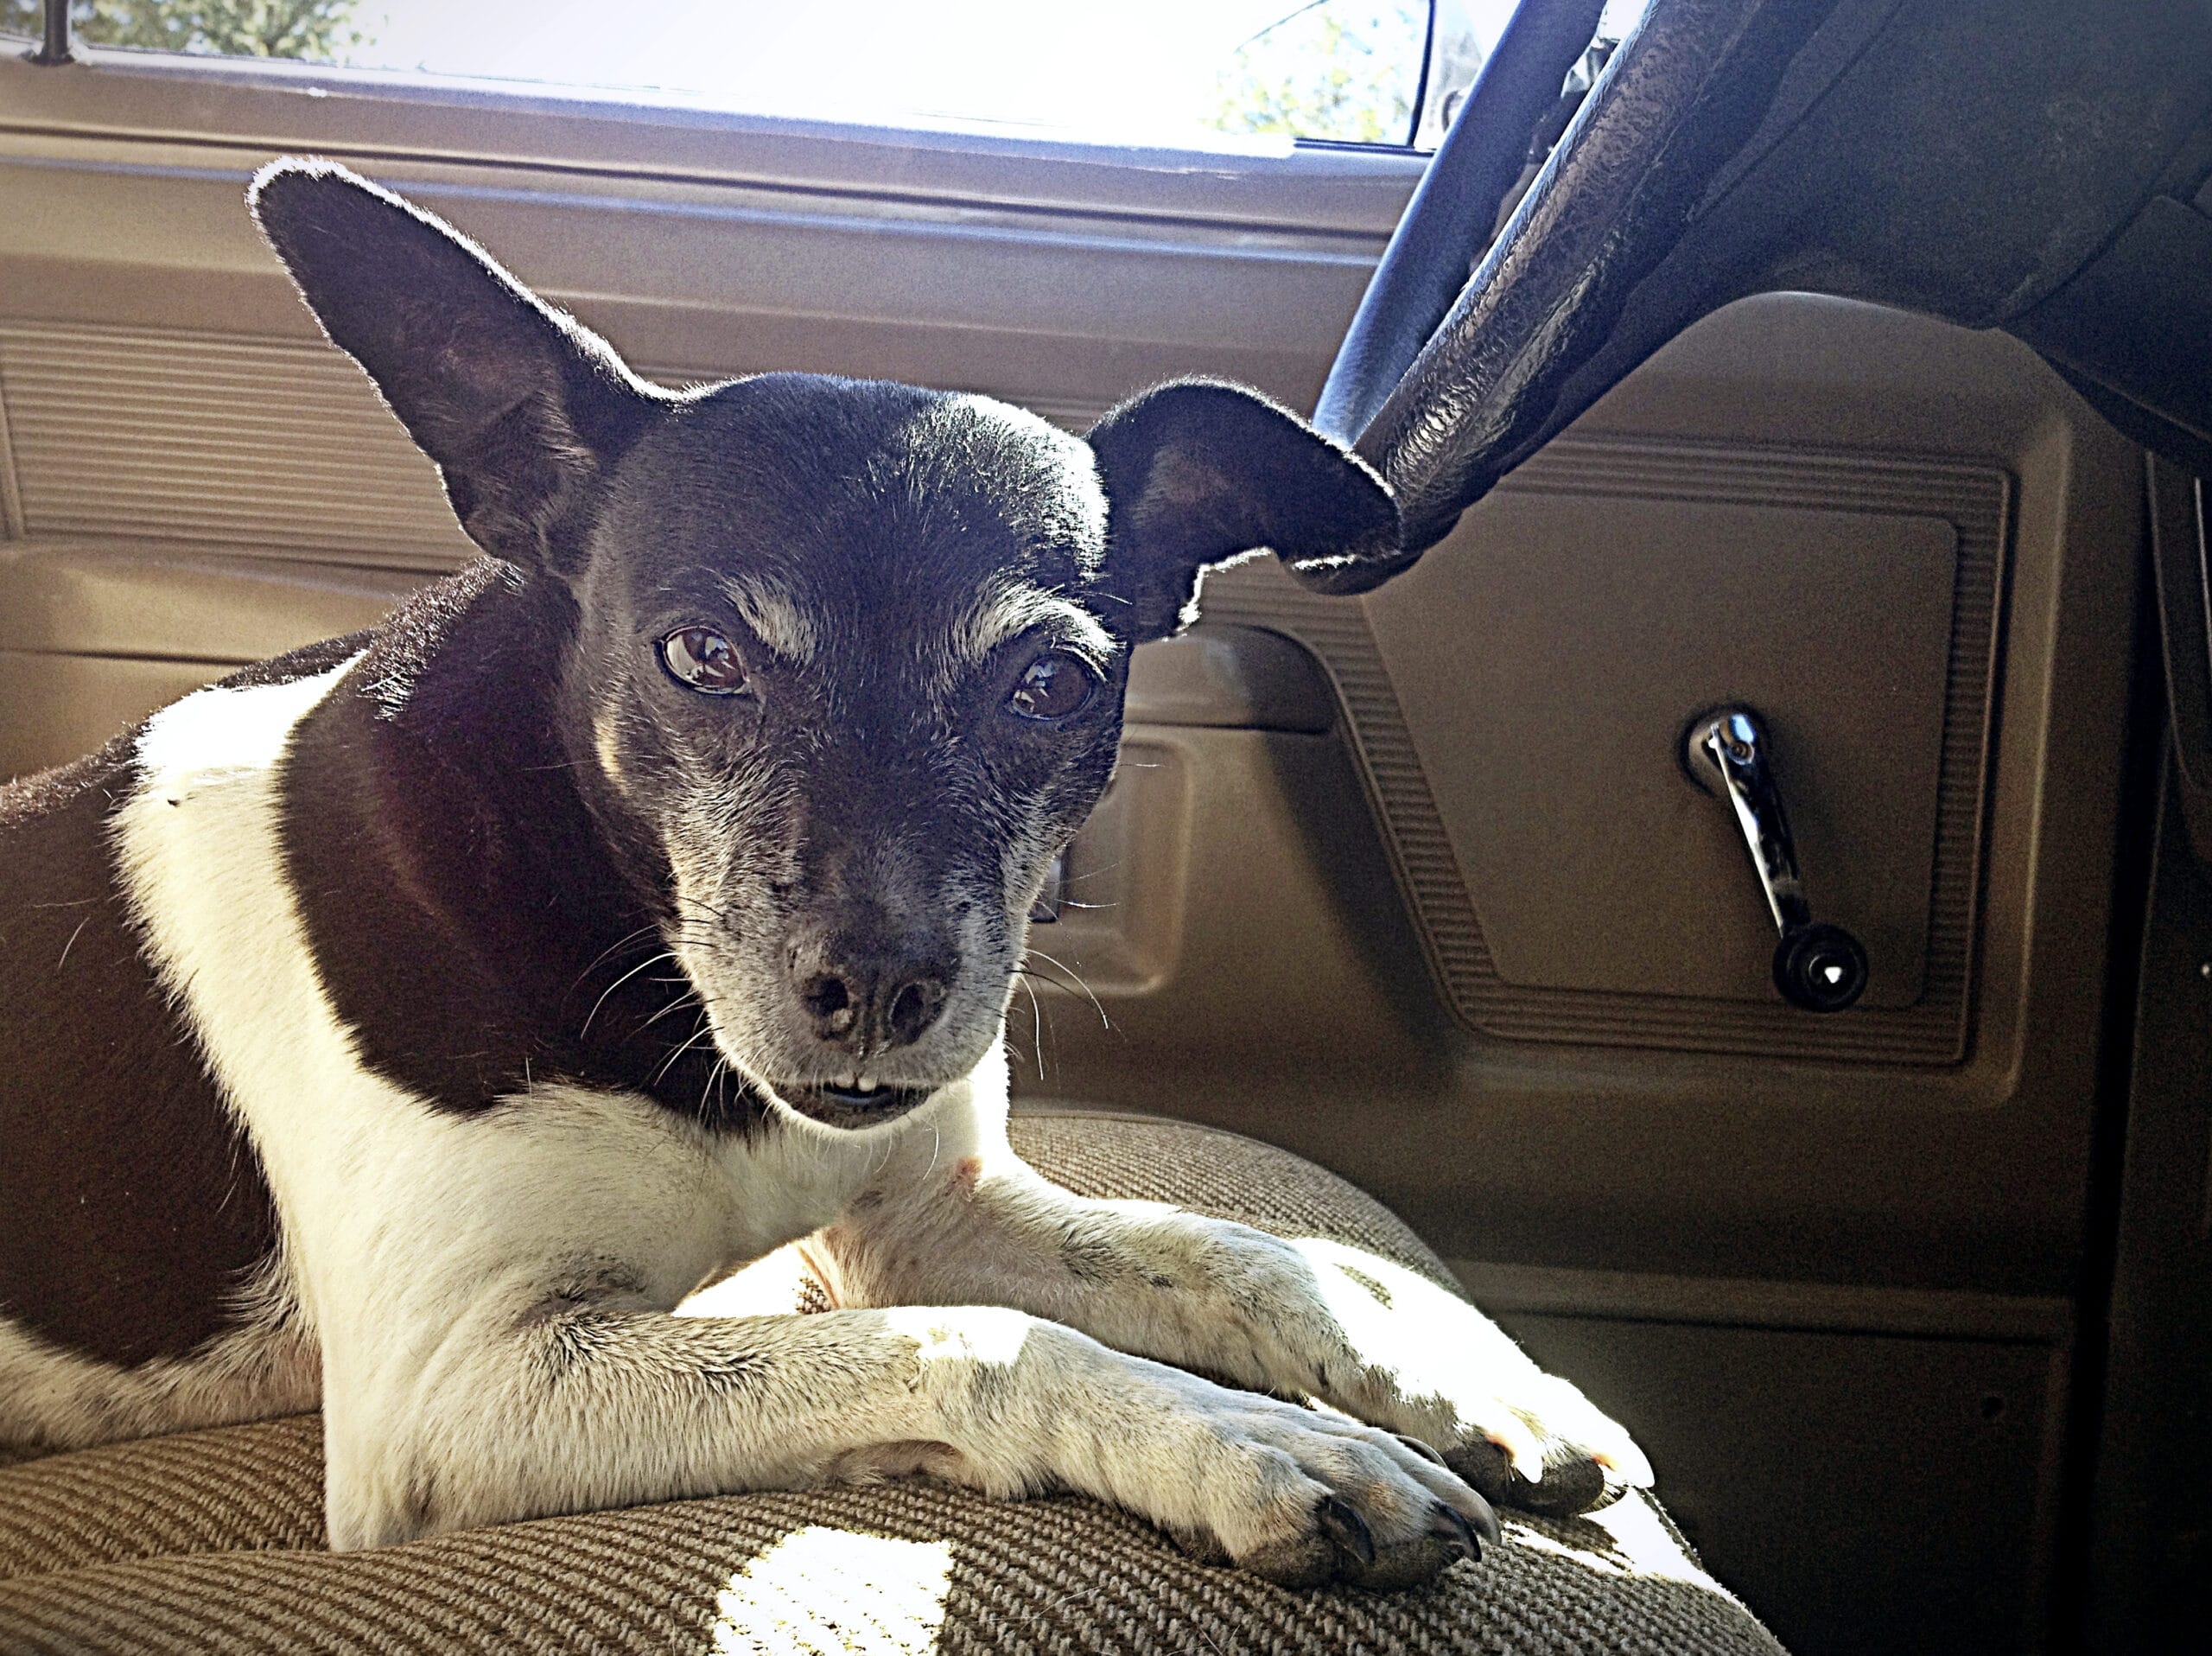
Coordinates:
(1193, 73)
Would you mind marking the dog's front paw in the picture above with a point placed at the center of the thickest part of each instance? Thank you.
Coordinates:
(1543, 1447)
(1306, 1499)
(1419, 1360)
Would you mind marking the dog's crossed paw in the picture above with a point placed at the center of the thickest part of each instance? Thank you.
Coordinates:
(1412, 1355)
(1307, 1498)
(1339, 1548)
(1580, 1458)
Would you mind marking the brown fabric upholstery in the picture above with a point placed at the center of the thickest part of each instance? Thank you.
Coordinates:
(212, 1540)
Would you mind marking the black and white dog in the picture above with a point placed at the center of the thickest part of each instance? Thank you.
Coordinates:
(408, 1024)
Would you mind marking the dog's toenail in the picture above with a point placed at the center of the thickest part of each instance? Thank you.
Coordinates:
(1461, 1534)
(1485, 1522)
(1427, 1451)
(1343, 1524)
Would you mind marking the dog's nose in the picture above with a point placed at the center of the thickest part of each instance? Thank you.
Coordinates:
(866, 1007)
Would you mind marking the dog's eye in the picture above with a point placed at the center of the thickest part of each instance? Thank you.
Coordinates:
(1052, 686)
(704, 659)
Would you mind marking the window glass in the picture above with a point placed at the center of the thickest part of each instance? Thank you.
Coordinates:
(1232, 73)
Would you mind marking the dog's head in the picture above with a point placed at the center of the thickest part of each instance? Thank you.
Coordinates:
(848, 659)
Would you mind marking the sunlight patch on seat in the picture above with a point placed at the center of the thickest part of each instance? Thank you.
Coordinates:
(773, 1285)
(1642, 1548)
(825, 1592)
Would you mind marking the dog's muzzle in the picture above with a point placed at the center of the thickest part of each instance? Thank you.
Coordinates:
(864, 1017)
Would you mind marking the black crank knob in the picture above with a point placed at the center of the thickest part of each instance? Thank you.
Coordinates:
(1820, 967)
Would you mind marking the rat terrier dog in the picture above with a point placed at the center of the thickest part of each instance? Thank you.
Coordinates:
(336, 1063)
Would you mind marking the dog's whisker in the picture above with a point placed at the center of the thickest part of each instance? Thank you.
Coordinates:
(882, 1161)
(704, 1032)
(613, 948)
(712, 911)
(1036, 1024)
(617, 984)
(680, 1000)
(719, 1069)
(1075, 978)
(72, 942)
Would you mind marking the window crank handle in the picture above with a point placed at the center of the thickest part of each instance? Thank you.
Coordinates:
(1818, 967)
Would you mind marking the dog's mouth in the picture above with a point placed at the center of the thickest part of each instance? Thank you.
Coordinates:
(854, 1106)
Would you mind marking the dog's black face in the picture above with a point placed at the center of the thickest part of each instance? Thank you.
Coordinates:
(848, 658)
(843, 667)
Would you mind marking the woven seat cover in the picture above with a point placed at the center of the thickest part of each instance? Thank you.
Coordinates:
(213, 1540)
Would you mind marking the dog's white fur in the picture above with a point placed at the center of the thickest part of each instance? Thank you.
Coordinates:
(784, 626)
(266, 1365)
(490, 1297)
(1007, 611)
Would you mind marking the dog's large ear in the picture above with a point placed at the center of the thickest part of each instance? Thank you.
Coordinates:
(522, 409)
(1198, 471)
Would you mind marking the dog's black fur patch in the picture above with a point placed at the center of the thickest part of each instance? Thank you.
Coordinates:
(432, 817)
(134, 1209)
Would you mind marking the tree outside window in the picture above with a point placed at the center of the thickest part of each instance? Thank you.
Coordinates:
(1347, 70)
(323, 29)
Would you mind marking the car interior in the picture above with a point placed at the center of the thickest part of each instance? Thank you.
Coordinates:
(1738, 884)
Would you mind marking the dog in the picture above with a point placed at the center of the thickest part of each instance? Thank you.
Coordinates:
(340, 1065)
